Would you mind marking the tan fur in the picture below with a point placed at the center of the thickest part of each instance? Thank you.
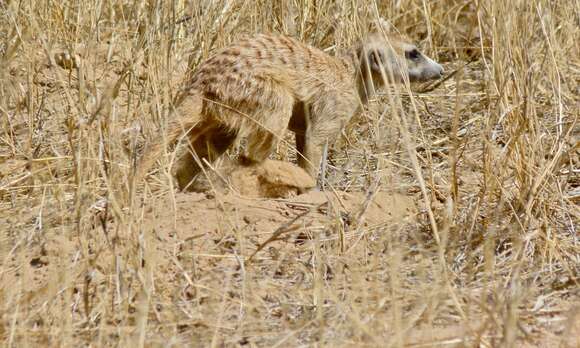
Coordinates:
(261, 86)
(272, 179)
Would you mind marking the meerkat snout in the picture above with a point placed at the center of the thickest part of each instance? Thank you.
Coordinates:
(420, 67)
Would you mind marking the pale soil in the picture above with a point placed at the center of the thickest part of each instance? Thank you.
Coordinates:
(211, 231)
(202, 248)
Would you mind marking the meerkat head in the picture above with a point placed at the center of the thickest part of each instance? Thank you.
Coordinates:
(387, 56)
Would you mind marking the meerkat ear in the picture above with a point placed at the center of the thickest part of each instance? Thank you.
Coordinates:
(376, 60)
(382, 25)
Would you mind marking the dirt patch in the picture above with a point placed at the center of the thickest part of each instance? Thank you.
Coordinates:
(197, 214)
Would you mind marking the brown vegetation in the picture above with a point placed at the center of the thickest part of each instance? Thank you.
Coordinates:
(449, 215)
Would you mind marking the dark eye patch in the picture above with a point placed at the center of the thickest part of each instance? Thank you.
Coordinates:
(413, 54)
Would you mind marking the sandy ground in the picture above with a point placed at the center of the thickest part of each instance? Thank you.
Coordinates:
(212, 230)
(198, 247)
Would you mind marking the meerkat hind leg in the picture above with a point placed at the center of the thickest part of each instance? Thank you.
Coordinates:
(260, 145)
(264, 140)
(209, 145)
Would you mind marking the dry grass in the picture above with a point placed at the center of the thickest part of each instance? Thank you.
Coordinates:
(491, 156)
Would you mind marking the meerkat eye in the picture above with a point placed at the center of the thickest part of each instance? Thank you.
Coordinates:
(413, 54)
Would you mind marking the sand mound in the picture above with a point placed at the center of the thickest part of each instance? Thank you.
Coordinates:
(270, 179)
(236, 191)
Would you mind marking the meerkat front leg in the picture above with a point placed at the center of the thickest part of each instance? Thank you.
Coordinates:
(311, 145)
(319, 124)
(263, 138)
(311, 134)
(318, 134)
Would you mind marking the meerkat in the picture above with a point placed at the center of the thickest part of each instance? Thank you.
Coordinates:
(261, 86)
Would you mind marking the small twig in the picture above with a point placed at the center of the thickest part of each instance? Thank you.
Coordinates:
(287, 227)
(438, 83)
